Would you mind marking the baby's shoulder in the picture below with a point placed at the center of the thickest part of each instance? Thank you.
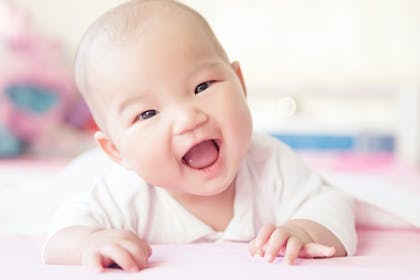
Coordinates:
(121, 184)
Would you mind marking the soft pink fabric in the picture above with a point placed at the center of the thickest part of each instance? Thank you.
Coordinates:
(383, 254)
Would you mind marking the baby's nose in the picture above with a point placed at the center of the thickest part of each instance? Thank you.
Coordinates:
(187, 119)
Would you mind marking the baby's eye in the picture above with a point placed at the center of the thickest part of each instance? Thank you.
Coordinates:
(202, 86)
(146, 115)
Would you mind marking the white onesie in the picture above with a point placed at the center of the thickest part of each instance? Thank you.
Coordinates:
(272, 186)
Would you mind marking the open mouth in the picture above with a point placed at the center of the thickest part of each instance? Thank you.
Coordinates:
(202, 155)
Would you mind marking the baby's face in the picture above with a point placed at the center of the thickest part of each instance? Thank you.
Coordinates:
(175, 110)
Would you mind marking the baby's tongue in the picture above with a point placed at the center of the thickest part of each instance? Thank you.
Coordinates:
(202, 155)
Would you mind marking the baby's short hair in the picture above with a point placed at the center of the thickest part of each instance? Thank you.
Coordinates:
(117, 26)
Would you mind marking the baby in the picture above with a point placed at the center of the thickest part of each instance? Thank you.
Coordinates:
(172, 114)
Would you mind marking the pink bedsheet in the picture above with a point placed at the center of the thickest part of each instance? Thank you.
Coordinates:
(382, 254)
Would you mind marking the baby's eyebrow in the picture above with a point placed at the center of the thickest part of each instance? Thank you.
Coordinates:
(205, 66)
(127, 102)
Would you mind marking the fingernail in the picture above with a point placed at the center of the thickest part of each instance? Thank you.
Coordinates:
(269, 257)
(290, 261)
(134, 269)
(98, 269)
(330, 251)
(258, 254)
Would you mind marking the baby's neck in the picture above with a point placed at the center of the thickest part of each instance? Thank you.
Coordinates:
(216, 211)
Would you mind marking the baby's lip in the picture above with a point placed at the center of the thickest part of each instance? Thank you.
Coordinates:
(202, 154)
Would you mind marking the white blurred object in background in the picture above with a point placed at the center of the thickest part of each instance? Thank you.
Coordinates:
(408, 130)
(269, 112)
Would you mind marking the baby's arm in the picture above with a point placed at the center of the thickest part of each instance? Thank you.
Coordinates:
(298, 237)
(97, 248)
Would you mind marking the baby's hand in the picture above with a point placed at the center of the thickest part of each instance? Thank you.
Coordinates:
(289, 241)
(106, 248)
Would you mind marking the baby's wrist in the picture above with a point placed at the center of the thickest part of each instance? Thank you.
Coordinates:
(90, 238)
(294, 228)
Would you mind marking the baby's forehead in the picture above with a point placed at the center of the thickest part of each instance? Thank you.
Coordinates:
(128, 23)
(131, 19)
(115, 28)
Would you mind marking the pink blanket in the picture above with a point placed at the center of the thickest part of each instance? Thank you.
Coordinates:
(382, 254)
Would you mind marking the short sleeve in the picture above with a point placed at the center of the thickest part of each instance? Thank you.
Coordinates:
(303, 194)
(106, 206)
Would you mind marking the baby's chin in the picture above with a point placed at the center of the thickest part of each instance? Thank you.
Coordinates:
(219, 189)
(203, 192)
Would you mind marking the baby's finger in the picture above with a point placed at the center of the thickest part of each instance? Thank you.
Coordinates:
(263, 235)
(107, 262)
(92, 260)
(277, 240)
(293, 247)
(120, 256)
(138, 251)
(149, 250)
(316, 250)
(252, 248)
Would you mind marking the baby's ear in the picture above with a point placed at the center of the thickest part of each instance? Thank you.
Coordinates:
(106, 144)
(237, 68)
